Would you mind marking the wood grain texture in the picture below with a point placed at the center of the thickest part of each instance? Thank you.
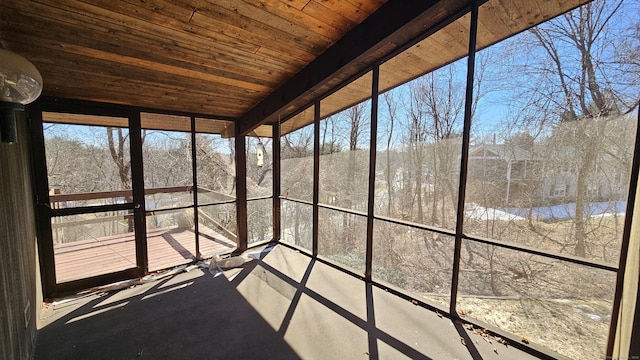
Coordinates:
(257, 61)
(167, 247)
(498, 19)
(216, 58)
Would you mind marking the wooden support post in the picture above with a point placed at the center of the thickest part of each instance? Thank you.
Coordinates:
(464, 160)
(316, 175)
(276, 182)
(137, 181)
(372, 170)
(241, 189)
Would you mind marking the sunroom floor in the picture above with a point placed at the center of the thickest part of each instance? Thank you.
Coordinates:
(282, 306)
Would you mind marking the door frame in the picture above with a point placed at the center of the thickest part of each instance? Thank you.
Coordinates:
(44, 213)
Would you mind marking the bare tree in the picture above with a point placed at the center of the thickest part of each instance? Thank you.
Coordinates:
(297, 182)
(577, 79)
(216, 170)
(120, 158)
(357, 121)
(391, 103)
(435, 114)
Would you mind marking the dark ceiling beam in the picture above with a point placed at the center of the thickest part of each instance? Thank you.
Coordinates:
(390, 27)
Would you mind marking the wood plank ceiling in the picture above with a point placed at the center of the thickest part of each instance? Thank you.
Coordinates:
(248, 60)
(202, 56)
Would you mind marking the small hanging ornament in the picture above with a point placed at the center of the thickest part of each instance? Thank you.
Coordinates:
(260, 156)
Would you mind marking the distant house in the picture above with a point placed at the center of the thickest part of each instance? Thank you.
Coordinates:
(507, 173)
(504, 175)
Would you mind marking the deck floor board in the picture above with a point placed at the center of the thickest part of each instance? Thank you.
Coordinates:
(166, 248)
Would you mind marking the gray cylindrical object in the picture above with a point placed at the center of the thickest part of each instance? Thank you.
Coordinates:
(8, 127)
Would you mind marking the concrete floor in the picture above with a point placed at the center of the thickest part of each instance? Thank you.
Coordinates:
(284, 306)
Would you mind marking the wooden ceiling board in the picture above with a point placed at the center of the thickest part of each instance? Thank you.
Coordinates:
(279, 18)
(368, 7)
(210, 22)
(151, 39)
(101, 90)
(260, 34)
(153, 121)
(442, 47)
(299, 121)
(486, 29)
(88, 16)
(166, 54)
(109, 81)
(383, 32)
(78, 50)
(253, 60)
(326, 15)
(99, 77)
(344, 8)
(404, 66)
(52, 64)
(299, 17)
(352, 94)
(450, 44)
(92, 58)
(78, 119)
(148, 121)
(296, 4)
(265, 131)
(209, 49)
(212, 126)
(499, 19)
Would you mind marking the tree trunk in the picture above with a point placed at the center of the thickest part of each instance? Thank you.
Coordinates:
(296, 230)
(388, 178)
(579, 235)
(418, 181)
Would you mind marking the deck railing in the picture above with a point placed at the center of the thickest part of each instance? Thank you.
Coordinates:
(61, 201)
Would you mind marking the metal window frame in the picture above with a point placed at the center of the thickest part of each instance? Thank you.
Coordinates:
(464, 161)
(458, 232)
(277, 205)
(241, 189)
(373, 151)
(50, 287)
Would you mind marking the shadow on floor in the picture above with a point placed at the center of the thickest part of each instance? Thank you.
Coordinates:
(199, 317)
(283, 305)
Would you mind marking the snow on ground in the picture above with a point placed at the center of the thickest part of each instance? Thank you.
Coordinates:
(567, 211)
(546, 213)
(475, 211)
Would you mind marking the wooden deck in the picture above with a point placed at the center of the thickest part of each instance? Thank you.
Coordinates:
(166, 248)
